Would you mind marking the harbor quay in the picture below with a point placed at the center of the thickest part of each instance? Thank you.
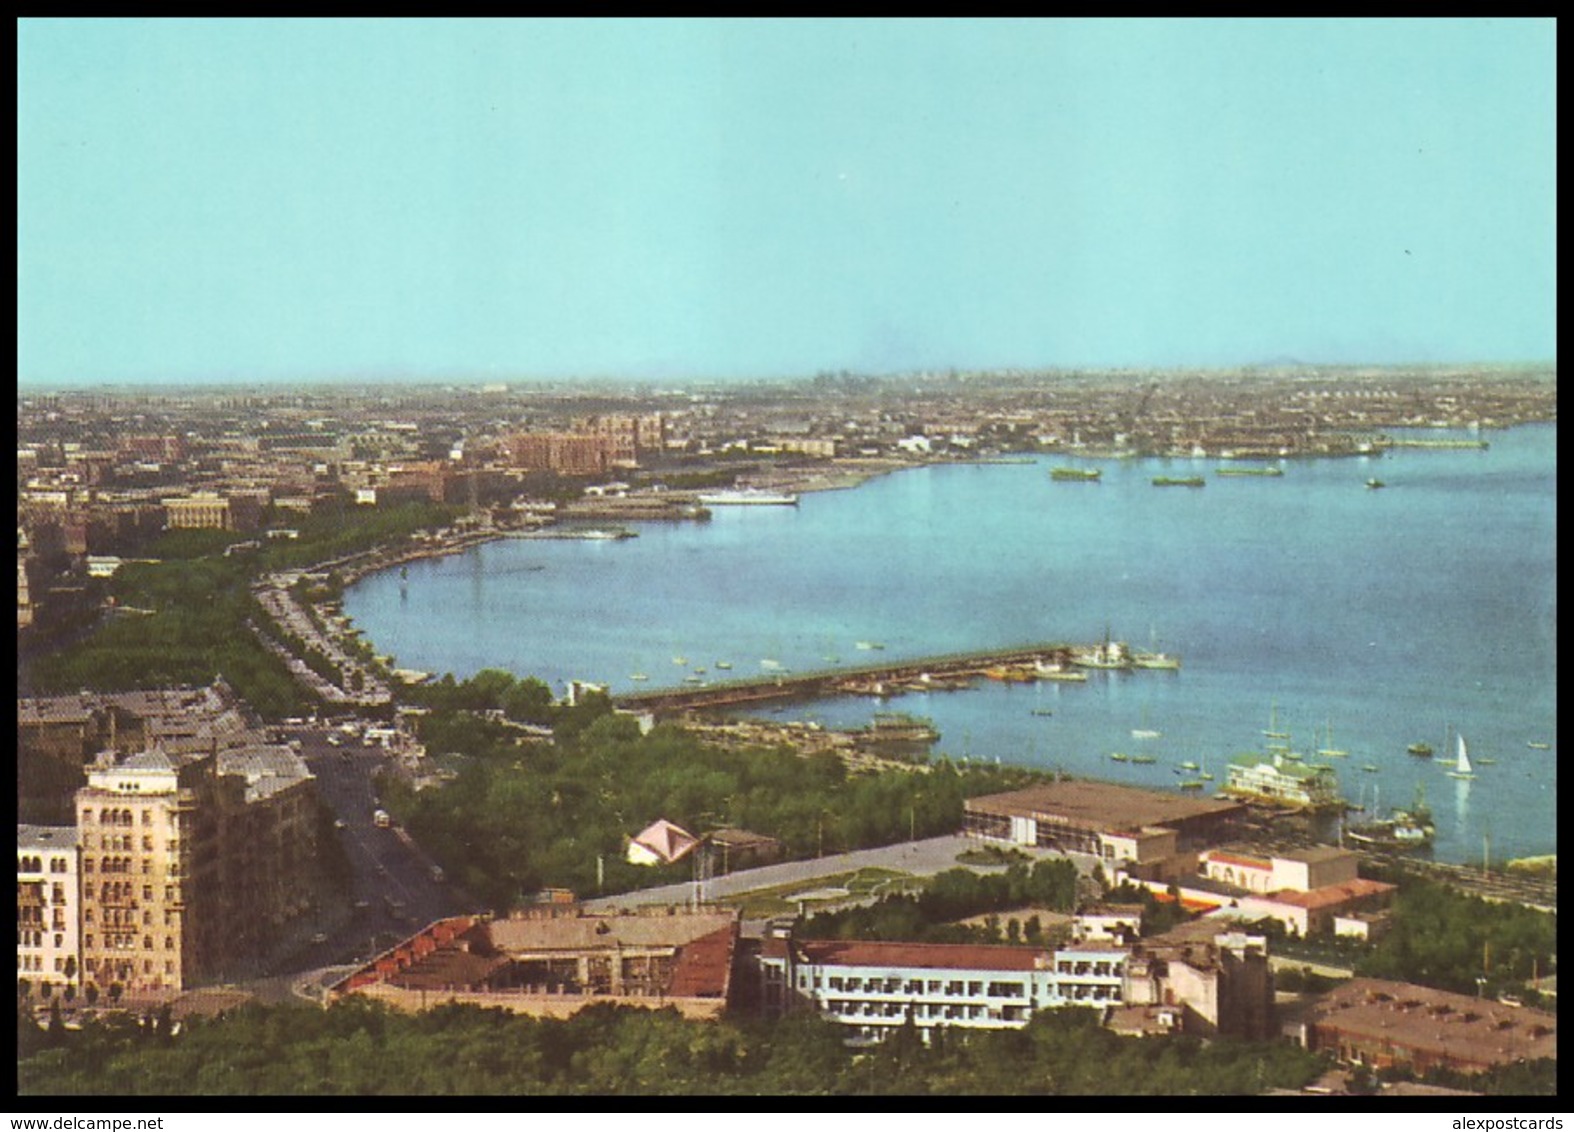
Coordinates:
(952, 670)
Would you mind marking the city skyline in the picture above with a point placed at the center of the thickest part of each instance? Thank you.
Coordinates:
(268, 201)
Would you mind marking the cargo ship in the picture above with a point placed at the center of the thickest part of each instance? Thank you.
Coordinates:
(1075, 474)
(1179, 481)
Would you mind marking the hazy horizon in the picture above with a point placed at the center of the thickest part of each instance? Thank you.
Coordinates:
(257, 202)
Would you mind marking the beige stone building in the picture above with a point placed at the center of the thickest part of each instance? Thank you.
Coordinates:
(48, 948)
(191, 864)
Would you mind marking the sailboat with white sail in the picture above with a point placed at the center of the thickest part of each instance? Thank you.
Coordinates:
(1462, 764)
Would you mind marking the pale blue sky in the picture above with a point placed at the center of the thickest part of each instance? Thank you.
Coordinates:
(275, 200)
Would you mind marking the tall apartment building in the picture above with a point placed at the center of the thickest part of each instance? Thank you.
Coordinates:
(191, 865)
(47, 905)
(630, 436)
(574, 454)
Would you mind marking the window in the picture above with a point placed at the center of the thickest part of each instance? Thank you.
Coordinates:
(147, 892)
(147, 845)
(169, 943)
(147, 817)
(87, 941)
(60, 941)
(147, 943)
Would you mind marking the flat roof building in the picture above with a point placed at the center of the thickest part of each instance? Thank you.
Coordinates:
(1087, 817)
(553, 960)
(1383, 1024)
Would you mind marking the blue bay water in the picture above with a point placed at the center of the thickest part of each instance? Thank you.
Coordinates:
(1388, 615)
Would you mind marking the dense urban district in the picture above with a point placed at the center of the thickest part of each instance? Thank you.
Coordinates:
(254, 855)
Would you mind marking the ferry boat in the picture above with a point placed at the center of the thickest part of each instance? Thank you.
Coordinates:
(748, 495)
(1179, 481)
(1076, 475)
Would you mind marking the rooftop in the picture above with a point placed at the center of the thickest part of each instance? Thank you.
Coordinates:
(939, 956)
(46, 836)
(1470, 1029)
(1103, 806)
(1332, 894)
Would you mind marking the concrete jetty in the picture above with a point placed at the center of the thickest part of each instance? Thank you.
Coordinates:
(887, 678)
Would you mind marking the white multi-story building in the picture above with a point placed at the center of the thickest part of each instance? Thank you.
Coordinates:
(874, 988)
(48, 899)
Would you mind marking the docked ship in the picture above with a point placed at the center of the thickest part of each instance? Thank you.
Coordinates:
(1109, 654)
(1154, 660)
(1075, 474)
(748, 495)
(892, 729)
(1402, 830)
(1054, 670)
(1179, 481)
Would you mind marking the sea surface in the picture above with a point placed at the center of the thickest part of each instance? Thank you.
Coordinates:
(1411, 613)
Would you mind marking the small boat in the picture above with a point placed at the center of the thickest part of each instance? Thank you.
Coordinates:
(1146, 760)
(1369, 768)
(638, 676)
(771, 665)
(1057, 671)
(1273, 731)
(1191, 784)
(1179, 481)
(1042, 711)
(1330, 751)
(693, 680)
(1486, 762)
(1144, 733)
(1075, 475)
(1462, 767)
(1375, 483)
(699, 670)
(1188, 765)
(680, 660)
(724, 664)
(868, 645)
(1537, 746)
(1119, 756)
(1420, 750)
(1249, 472)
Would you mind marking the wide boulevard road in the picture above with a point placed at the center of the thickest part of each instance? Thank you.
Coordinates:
(393, 891)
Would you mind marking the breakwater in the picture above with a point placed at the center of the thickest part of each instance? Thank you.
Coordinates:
(891, 678)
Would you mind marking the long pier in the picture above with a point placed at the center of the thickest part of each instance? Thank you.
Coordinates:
(871, 679)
